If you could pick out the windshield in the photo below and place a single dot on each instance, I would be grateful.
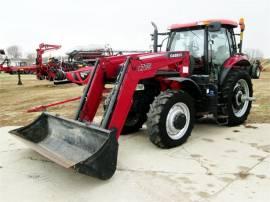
(189, 40)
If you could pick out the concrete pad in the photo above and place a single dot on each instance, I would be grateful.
(253, 186)
(216, 164)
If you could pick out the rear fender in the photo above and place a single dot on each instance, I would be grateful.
(236, 61)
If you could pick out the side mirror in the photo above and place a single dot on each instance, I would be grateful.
(214, 27)
(2, 52)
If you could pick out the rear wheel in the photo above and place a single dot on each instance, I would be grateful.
(170, 119)
(236, 91)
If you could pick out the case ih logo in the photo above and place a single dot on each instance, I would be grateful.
(175, 55)
(144, 67)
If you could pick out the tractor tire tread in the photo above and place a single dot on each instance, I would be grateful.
(226, 92)
(154, 117)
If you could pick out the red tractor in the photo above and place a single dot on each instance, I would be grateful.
(203, 72)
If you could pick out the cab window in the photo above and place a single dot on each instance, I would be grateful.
(192, 41)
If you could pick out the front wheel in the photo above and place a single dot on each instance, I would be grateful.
(237, 92)
(170, 119)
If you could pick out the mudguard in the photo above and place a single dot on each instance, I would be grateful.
(188, 81)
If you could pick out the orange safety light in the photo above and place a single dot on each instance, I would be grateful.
(242, 24)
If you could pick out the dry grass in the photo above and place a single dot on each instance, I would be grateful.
(15, 100)
(266, 65)
(260, 112)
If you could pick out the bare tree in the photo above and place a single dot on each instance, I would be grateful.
(2, 53)
(31, 58)
(14, 51)
(254, 54)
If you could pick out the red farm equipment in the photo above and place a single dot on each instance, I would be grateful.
(52, 70)
(5, 61)
(46, 70)
(20, 66)
(79, 59)
(203, 72)
(257, 68)
(82, 61)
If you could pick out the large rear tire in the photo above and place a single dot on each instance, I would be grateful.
(171, 119)
(236, 90)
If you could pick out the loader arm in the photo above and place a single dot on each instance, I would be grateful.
(135, 69)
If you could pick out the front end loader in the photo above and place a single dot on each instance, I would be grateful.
(88, 148)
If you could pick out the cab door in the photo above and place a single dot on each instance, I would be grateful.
(219, 47)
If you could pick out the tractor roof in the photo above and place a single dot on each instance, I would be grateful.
(203, 22)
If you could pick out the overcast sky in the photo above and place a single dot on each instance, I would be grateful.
(121, 23)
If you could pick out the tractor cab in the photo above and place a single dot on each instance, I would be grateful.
(210, 43)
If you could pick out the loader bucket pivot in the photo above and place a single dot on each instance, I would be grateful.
(89, 149)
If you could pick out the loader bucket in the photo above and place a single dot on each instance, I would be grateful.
(87, 148)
